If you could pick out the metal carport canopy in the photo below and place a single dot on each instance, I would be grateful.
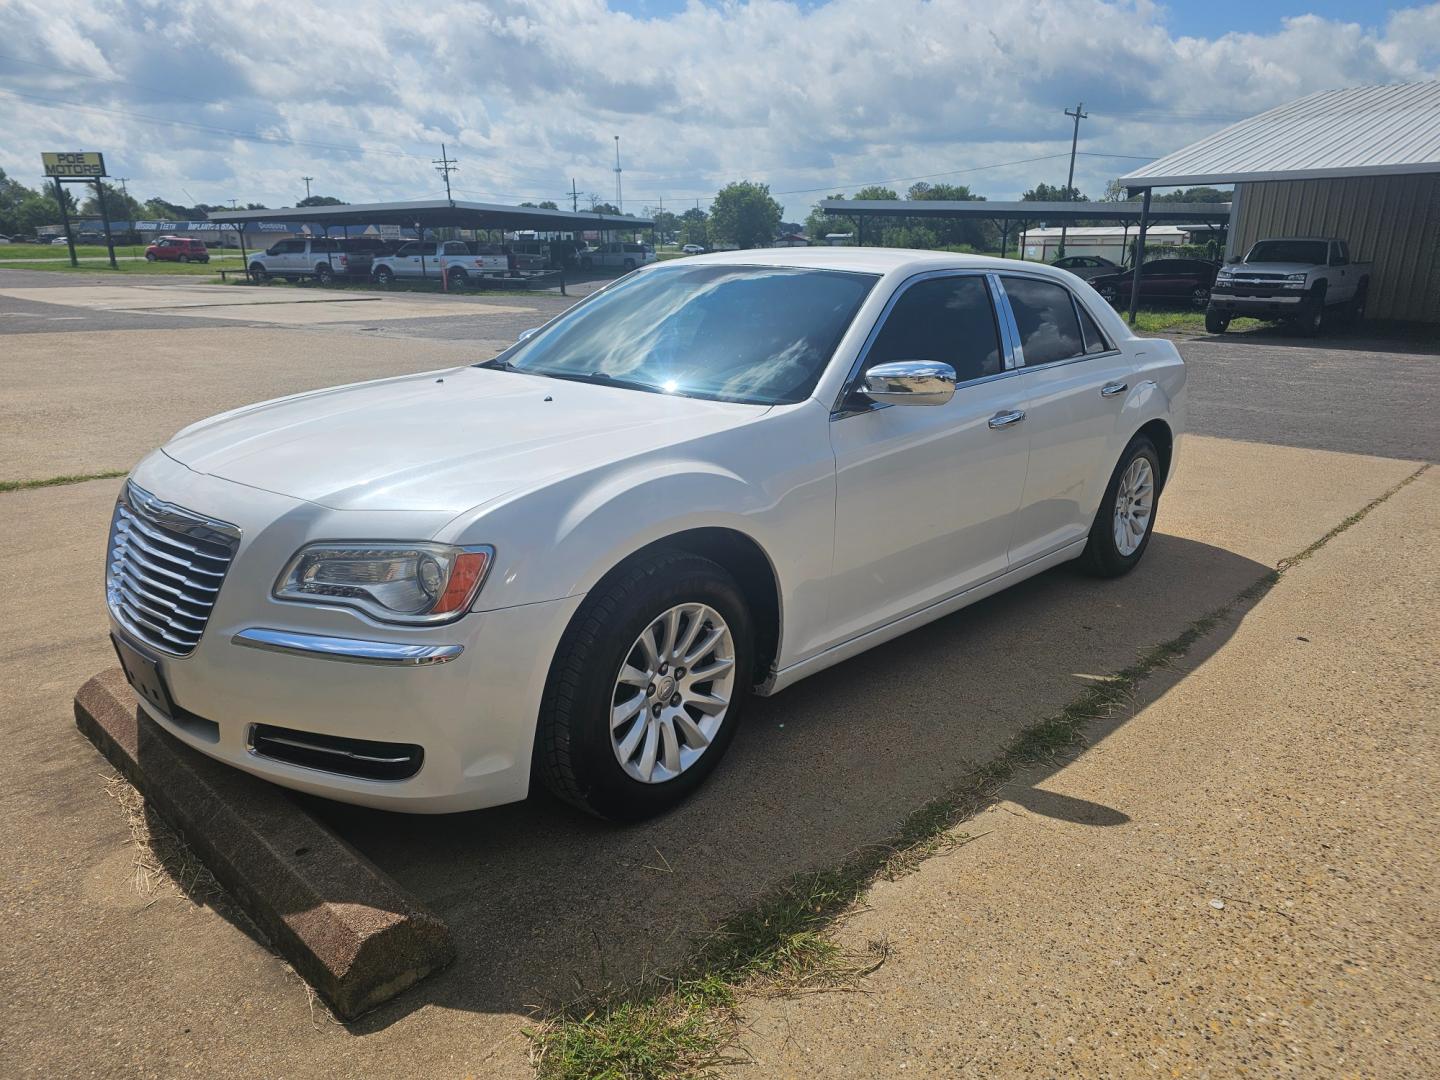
(438, 213)
(1026, 211)
(1359, 131)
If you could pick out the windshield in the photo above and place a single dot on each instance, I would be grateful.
(755, 334)
(1288, 251)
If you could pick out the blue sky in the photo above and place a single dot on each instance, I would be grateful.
(197, 100)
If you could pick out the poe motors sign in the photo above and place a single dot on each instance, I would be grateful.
(79, 167)
(74, 165)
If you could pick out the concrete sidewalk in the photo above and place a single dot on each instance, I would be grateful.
(1239, 878)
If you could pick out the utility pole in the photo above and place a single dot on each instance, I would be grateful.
(445, 165)
(307, 180)
(619, 202)
(574, 197)
(1078, 115)
(125, 194)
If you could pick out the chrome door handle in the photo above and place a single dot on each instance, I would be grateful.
(1111, 389)
(1005, 419)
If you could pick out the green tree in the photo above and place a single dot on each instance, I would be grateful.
(695, 227)
(819, 224)
(321, 200)
(161, 208)
(40, 208)
(666, 223)
(1194, 195)
(974, 233)
(1049, 193)
(12, 194)
(744, 214)
(547, 205)
(122, 207)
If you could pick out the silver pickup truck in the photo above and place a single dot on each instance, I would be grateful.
(1305, 280)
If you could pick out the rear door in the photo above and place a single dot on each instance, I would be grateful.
(1075, 383)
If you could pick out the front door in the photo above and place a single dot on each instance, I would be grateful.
(926, 495)
(1075, 385)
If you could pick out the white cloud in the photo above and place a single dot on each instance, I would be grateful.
(528, 93)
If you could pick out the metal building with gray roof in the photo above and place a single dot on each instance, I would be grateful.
(1361, 164)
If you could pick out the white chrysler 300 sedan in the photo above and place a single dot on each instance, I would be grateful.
(575, 560)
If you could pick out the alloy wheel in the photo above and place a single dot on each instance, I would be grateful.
(672, 693)
(1134, 505)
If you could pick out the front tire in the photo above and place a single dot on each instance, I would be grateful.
(259, 273)
(1216, 322)
(646, 688)
(384, 277)
(1126, 518)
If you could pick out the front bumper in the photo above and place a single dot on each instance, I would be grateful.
(1261, 302)
(467, 692)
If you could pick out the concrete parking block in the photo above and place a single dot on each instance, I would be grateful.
(344, 924)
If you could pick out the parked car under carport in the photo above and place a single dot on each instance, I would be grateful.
(1162, 281)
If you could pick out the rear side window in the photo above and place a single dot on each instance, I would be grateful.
(454, 247)
(947, 319)
(1094, 340)
(1045, 317)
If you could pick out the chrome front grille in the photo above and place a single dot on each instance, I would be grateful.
(164, 569)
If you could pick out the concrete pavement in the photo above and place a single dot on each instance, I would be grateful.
(107, 979)
(1239, 879)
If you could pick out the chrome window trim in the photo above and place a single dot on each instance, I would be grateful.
(838, 411)
(346, 650)
(1074, 300)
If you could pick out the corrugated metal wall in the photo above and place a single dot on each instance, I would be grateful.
(1392, 221)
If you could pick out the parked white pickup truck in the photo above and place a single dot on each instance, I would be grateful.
(460, 261)
(1304, 280)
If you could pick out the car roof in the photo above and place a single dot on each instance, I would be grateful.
(867, 260)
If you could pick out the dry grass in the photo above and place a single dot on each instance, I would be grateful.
(163, 863)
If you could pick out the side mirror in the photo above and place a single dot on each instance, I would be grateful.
(910, 382)
(526, 335)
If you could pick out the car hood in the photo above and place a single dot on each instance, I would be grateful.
(1270, 268)
(440, 441)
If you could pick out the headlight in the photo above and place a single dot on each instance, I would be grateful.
(405, 583)
(1294, 281)
(1224, 275)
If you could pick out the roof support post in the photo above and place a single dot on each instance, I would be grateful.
(1139, 255)
(244, 255)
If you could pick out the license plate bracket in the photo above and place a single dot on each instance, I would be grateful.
(144, 675)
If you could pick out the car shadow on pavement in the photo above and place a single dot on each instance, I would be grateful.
(1400, 339)
(546, 904)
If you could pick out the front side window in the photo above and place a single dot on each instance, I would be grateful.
(756, 334)
(947, 319)
(1045, 317)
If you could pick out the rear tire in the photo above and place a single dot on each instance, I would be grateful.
(457, 279)
(1120, 535)
(1216, 322)
(323, 274)
(578, 752)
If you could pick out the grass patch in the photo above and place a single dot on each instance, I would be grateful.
(686, 1024)
(430, 285)
(59, 481)
(1158, 322)
(132, 266)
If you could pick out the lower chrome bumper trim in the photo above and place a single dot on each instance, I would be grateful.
(347, 650)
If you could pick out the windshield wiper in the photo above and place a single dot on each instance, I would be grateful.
(604, 378)
(497, 364)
